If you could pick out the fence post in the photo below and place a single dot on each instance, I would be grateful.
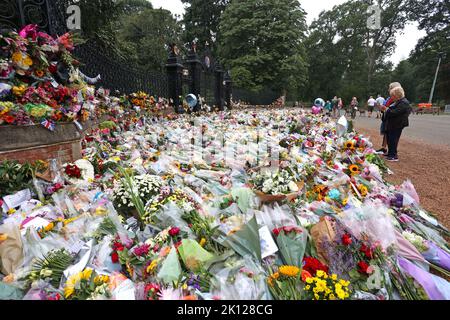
(228, 89)
(219, 87)
(174, 69)
(195, 69)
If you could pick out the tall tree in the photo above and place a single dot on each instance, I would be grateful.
(201, 21)
(143, 36)
(262, 43)
(434, 18)
(356, 58)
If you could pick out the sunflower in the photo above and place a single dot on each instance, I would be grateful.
(289, 271)
(349, 144)
(363, 190)
(354, 169)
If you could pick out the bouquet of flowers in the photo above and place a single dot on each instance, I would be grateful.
(87, 285)
(275, 186)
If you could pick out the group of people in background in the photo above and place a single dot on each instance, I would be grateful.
(394, 113)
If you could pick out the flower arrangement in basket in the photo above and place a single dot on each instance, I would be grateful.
(279, 185)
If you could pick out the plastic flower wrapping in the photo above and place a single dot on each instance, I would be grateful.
(219, 206)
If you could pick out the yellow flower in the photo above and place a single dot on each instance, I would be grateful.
(19, 90)
(99, 280)
(86, 274)
(309, 280)
(49, 227)
(28, 61)
(203, 242)
(152, 266)
(345, 202)
(69, 291)
(316, 296)
(17, 57)
(289, 271)
(69, 288)
(332, 297)
(308, 287)
(100, 211)
(349, 145)
(11, 211)
(3, 237)
(334, 277)
(320, 273)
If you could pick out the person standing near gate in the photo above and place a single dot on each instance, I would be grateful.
(396, 119)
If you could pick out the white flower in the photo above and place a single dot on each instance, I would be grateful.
(293, 186)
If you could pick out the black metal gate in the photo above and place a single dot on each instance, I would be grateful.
(17, 13)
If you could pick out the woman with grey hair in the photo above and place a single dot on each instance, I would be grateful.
(396, 119)
(386, 105)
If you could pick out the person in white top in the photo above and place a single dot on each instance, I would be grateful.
(371, 105)
(380, 103)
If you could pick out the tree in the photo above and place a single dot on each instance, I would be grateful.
(262, 43)
(346, 57)
(201, 21)
(143, 36)
(433, 17)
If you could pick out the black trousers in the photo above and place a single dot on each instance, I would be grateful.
(393, 137)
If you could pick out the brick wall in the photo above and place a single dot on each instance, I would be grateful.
(65, 152)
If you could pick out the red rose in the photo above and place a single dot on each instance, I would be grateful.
(277, 231)
(114, 257)
(312, 265)
(174, 231)
(347, 239)
(118, 246)
(363, 266)
(367, 251)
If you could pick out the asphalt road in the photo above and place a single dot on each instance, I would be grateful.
(426, 128)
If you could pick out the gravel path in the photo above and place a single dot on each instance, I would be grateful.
(426, 165)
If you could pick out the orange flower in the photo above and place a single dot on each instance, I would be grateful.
(305, 275)
(39, 73)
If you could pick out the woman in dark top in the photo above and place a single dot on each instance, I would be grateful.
(396, 119)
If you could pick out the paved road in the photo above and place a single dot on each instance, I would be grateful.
(427, 128)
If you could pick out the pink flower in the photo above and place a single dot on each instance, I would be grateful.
(29, 31)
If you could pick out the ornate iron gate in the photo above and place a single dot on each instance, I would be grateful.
(17, 13)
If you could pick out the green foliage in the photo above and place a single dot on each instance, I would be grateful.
(201, 21)
(262, 43)
(52, 267)
(16, 176)
(433, 17)
(348, 59)
(108, 125)
(143, 36)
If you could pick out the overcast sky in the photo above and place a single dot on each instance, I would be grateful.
(405, 42)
